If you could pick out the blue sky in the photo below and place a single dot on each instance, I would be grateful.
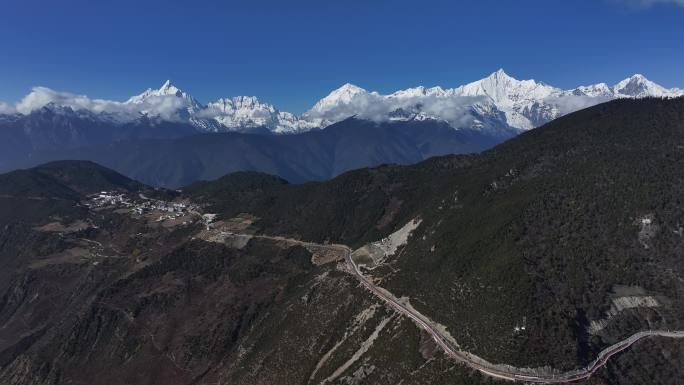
(291, 53)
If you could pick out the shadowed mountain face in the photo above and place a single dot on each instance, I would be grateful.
(150, 136)
(316, 155)
(55, 189)
(541, 251)
(51, 128)
(528, 252)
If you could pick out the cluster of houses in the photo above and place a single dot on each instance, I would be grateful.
(172, 208)
(107, 198)
(145, 205)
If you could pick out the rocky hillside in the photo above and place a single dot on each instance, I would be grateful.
(541, 251)
(544, 250)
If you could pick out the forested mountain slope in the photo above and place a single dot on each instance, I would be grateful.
(541, 251)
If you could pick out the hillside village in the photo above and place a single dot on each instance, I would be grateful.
(143, 206)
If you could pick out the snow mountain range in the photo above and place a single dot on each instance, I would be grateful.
(497, 104)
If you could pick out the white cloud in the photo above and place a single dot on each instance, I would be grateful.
(365, 105)
(372, 106)
(454, 109)
(6, 108)
(165, 106)
(571, 103)
(42, 96)
(449, 105)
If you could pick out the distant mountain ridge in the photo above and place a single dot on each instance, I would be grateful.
(515, 254)
(153, 136)
(64, 179)
(487, 104)
(309, 156)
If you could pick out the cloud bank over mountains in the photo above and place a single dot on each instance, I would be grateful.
(350, 100)
(493, 103)
(167, 107)
(6, 108)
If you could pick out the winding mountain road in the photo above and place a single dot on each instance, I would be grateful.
(493, 370)
(513, 374)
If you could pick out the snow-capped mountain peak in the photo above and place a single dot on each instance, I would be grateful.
(503, 88)
(167, 89)
(501, 75)
(168, 101)
(346, 90)
(518, 99)
(339, 105)
(237, 103)
(246, 112)
(420, 91)
(498, 98)
(638, 86)
(342, 95)
(593, 90)
(241, 111)
(494, 103)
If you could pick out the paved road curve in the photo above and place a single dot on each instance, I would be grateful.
(487, 368)
(513, 374)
